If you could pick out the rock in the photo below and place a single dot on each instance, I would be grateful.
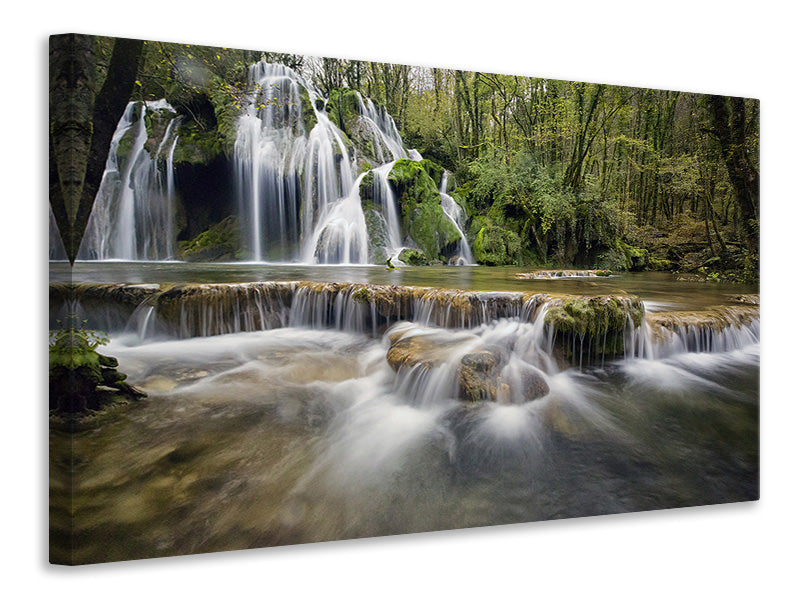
(80, 378)
(418, 350)
(482, 378)
(220, 242)
(412, 257)
(423, 219)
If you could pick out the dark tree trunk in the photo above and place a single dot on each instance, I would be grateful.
(82, 125)
(728, 120)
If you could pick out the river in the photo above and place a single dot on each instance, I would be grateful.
(303, 434)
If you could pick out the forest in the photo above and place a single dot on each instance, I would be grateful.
(549, 173)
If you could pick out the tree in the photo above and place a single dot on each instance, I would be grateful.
(729, 122)
(82, 123)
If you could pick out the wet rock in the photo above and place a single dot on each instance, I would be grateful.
(418, 350)
(481, 378)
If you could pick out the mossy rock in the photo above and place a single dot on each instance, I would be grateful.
(343, 108)
(595, 316)
(196, 145)
(377, 235)
(496, 246)
(434, 171)
(218, 243)
(661, 264)
(412, 257)
(423, 219)
(309, 115)
(81, 380)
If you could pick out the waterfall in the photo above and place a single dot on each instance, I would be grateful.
(454, 212)
(132, 217)
(386, 139)
(56, 246)
(297, 186)
(384, 196)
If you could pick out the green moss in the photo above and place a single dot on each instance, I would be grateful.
(196, 145)
(362, 295)
(378, 235)
(433, 170)
(660, 264)
(366, 192)
(593, 326)
(220, 242)
(594, 316)
(80, 378)
(309, 116)
(420, 205)
(412, 257)
(343, 108)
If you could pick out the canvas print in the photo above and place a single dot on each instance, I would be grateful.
(297, 299)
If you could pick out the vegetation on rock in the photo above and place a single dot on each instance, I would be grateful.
(82, 379)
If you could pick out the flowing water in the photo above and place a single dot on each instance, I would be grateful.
(298, 189)
(305, 432)
(455, 213)
(133, 213)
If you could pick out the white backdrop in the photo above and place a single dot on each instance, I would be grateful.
(733, 551)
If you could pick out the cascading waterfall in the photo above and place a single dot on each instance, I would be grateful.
(133, 213)
(454, 212)
(384, 197)
(386, 139)
(298, 193)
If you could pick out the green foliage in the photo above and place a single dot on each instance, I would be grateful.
(496, 246)
(80, 378)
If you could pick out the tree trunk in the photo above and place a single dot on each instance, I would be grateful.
(82, 125)
(728, 119)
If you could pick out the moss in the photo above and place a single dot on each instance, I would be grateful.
(196, 145)
(377, 234)
(309, 116)
(82, 379)
(603, 273)
(343, 108)
(496, 246)
(412, 257)
(660, 264)
(366, 192)
(592, 327)
(595, 316)
(362, 295)
(220, 242)
(420, 205)
(434, 171)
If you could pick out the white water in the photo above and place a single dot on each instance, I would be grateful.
(298, 193)
(454, 212)
(56, 248)
(133, 213)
